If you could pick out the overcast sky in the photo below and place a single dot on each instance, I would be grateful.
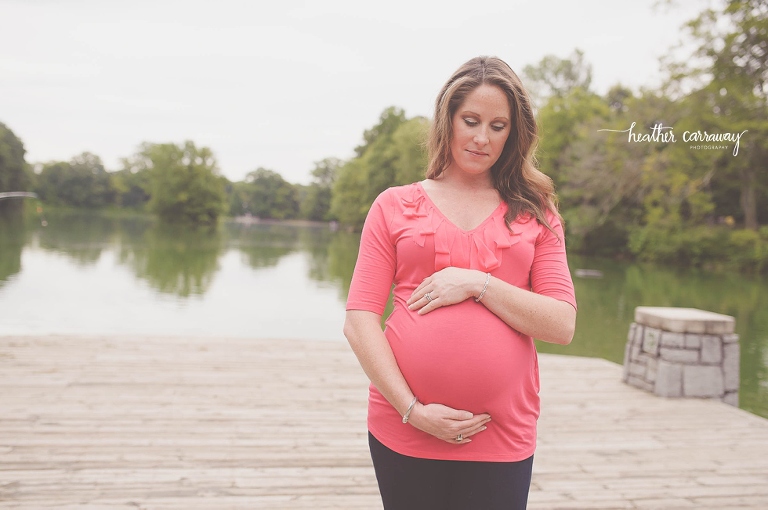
(282, 84)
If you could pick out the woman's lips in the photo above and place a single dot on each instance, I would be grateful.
(477, 153)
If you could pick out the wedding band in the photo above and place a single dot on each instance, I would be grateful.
(429, 298)
(459, 438)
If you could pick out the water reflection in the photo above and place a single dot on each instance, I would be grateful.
(606, 308)
(342, 255)
(239, 279)
(179, 261)
(79, 236)
(13, 237)
(263, 245)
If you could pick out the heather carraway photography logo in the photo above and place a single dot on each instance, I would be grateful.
(699, 140)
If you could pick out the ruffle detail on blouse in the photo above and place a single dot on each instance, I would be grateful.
(414, 206)
(486, 243)
(491, 241)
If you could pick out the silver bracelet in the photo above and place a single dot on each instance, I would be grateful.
(410, 408)
(485, 287)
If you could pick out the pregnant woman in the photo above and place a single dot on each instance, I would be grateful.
(476, 253)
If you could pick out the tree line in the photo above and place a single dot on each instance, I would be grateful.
(629, 184)
(182, 182)
(177, 182)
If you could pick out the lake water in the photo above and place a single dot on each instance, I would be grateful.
(91, 274)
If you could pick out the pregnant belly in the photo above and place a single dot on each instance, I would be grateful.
(462, 356)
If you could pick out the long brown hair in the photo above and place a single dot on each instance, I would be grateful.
(520, 184)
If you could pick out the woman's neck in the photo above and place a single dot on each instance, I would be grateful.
(454, 179)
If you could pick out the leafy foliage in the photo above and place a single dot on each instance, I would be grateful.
(81, 182)
(663, 201)
(558, 77)
(13, 174)
(265, 194)
(316, 204)
(184, 182)
(393, 154)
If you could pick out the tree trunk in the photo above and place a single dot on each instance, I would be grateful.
(748, 197)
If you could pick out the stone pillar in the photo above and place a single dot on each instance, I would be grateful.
(683, 352)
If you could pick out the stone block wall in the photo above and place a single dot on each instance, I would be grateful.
(683, 352)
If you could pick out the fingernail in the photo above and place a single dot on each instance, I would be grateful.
(483, 428)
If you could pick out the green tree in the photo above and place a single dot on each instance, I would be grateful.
(731, 91)
(409, 150)
(389, 120)
(349, 200)
(603, 178)
(185, 185)
(316, 203)
(237, 197)
(13, 172)
(393, 154)
(81, 182)
(268, 195)
(132, 183)
(558, 77)
(562, 88)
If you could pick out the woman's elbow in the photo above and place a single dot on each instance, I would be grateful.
(357, 323)
(567, 336)
(349, 329)
(567, 327)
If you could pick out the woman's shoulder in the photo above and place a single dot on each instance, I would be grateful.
(403, 190)
(528, 222)
(398, 194)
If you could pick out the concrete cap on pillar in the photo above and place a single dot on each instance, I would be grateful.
(684, 320)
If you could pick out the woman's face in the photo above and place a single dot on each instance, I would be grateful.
(481, 126)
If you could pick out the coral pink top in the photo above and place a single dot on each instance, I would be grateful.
(462, 356)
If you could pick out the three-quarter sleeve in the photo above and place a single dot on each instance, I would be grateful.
(550, 275)
(376, 260)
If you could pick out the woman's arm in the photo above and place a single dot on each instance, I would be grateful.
(542, 317)
(362, 329)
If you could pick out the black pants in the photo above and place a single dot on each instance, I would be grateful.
(423, 484)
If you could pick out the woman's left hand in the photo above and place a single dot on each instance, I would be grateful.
(446, 287)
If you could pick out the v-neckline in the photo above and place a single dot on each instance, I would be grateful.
(449, 221)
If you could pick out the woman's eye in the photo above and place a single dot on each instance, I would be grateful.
(498, 127)
(470, 122)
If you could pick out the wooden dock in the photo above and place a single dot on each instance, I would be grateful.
(133, 423)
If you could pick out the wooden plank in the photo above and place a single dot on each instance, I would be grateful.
(195, 423)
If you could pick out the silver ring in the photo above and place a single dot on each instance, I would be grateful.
(459, 438)
(429, 298)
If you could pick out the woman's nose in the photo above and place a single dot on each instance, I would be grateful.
(481, 137)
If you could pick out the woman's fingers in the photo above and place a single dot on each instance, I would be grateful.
(447, 423)
(418, 294)
(425, 305)
(446, 287)
(419, 291)
(468, 427)
(418, 301)
(459, 415)
(466, 435)
(425, 300)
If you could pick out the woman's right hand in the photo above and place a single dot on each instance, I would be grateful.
(447, 423)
